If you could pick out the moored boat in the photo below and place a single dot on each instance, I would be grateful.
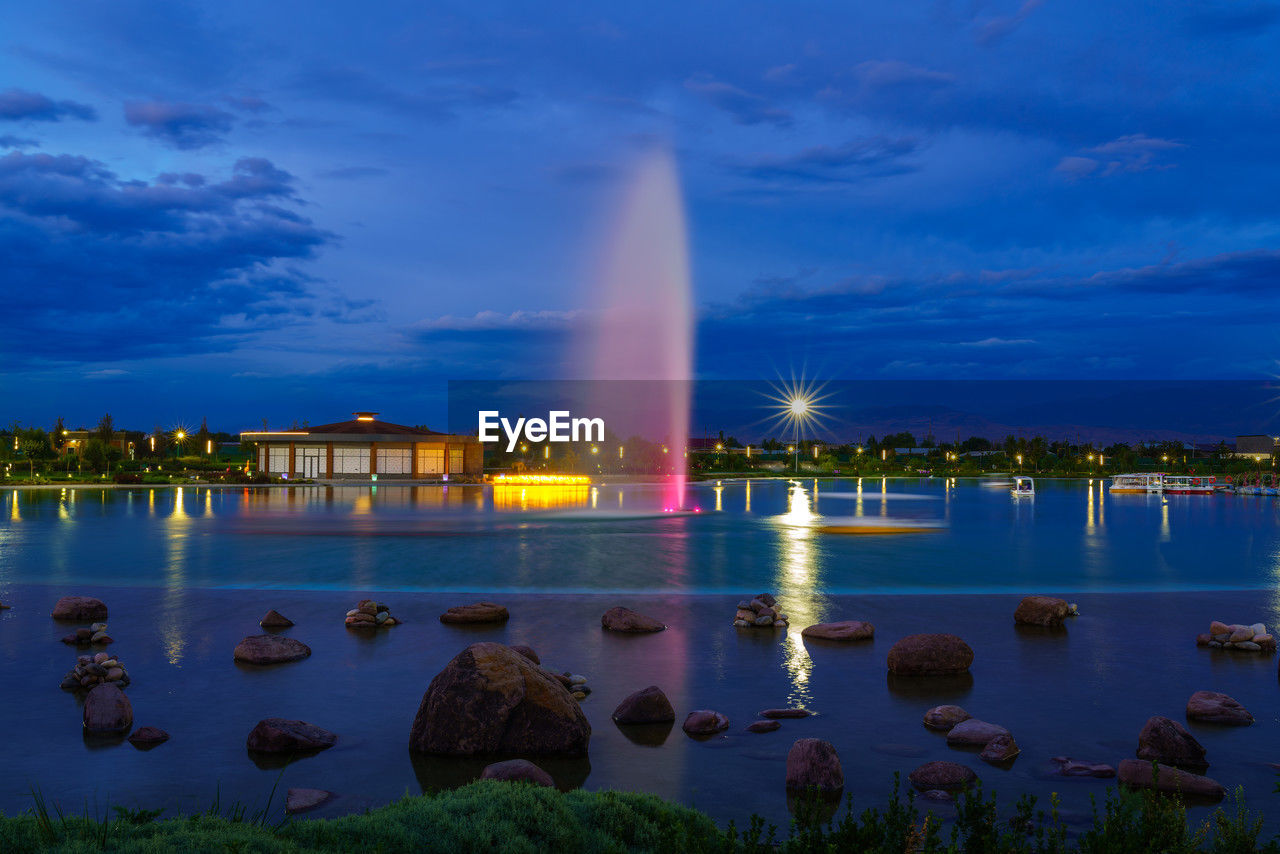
(1142, 482)
(1189, 484)
(1023, 487)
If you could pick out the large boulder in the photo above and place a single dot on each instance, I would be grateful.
(1041, 611)
(270, 649)
(479, 612)
(974, 733)
(930, 655)
(943, 718)
(517, 771)
(82, 609)
(941, 776)
(814, 764)
(107, 710)
(275, 620)
(1166, 741)
(705, 722)
(527, 651)
(1212, 707)
(646, 706)
(846, 630)
(280, 735)
(625, 620)
(490, 699)
(1143, 775)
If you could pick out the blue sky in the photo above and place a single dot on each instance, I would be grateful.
(294, 210)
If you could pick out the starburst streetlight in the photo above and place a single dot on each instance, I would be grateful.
(799, 405)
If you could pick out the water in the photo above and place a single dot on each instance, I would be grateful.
(187, 573)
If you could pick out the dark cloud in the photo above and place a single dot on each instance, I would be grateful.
(744, 107)
(9, 141)
(181, 125)
(856, 160)
(18, 104)
(102, 267)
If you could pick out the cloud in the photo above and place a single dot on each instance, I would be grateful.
(105, 268)
(997, 28)
(1232, 19)
(894, 74)
(18, 104)
(248, 103)
(441, 99)
(744, 107)
(1132, 153)
(489, 321)
(10, 141)
(181, 125)
(353, 173)
(858, 159)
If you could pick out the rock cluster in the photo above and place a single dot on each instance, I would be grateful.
(625, 620)
(576, 683)
(761, 613)
(368, 614)
(1254, 638)
(91, 670)
(97, 633)
(1043, 611)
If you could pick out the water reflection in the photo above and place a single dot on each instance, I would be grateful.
(519, 498)
(797, 587)
(173, 606)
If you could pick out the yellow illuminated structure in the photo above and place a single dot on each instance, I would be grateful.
(540, 480)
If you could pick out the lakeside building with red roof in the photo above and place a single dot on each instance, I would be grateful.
(365, 448)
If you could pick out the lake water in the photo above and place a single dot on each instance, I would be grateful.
(188, 572)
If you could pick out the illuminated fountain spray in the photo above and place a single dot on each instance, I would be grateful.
(644, 329)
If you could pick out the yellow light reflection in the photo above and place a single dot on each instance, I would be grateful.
(511, 497)
(797, 588)
(719, 491)
(748, 507)
(173, 609)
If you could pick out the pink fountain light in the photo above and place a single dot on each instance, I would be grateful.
(643, 329)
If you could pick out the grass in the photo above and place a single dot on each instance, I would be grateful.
(514, 818)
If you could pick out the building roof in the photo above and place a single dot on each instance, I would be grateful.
(363, 426)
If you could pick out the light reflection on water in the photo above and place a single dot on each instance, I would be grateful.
(797, 587)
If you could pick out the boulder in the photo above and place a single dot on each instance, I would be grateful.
(527, 652)
(270, 649)
(763, 726)
(847, 630)
(974, 732)
(625, 620)
(705, 722)
(941, 776)
(1069, 767)
(148, 736)
(107, 710)
(279, 735)
(275, 620)
(1002, 748)
(646, 706)
(517, 771)
(479, 612)
(1041, 611)
(1166, 741)
(491, 699)
(1145, 775)
(785, 713)
(1214, 708)
(79, 608)
(943, 718)
(814, 764)
(301, 800)
(930, 655)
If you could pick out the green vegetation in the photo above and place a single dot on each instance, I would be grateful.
(505, 817)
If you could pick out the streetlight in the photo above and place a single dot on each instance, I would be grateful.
(1019, 462)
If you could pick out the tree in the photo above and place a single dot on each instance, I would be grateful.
(106, 429)
(202, 437)
(58, 429)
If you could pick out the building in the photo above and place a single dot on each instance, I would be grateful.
(75, 441)
(1257, 447)
(365, 448)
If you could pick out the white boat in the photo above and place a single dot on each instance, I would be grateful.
(1023, 487)
(1190, 484)
(1138, 482)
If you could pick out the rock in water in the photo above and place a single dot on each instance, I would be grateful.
(705, 722)
(80, 608)
(270, 649)
(148, 736)
(1002, 748)
(490, 699)
(1041, 611)
(647, 706)
(942, 776)
(280, 735)
(1142, 775)
(943, 718)
(785, 713)
(625, 620)
(527, 652)
(107, 710)
(1166, 741)
(848, 630)
(275, 620)
(479, 612)
(930, 655)
(1214, 708)
(301, 800)
(974, 732)
(1069, 767)
(518, 771)
(764, 726)
(814, 764)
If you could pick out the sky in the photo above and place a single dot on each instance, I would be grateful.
(286, 211)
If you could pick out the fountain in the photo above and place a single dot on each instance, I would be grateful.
(639, 349)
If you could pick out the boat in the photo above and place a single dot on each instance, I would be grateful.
(872, 525)
(1023, 487)
(1138, 482)
(1189, 484)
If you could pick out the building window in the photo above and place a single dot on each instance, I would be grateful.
(394, 461)
(350, 460)
(430, 461)
(278, 463)
(455, 461)
(311, 460)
